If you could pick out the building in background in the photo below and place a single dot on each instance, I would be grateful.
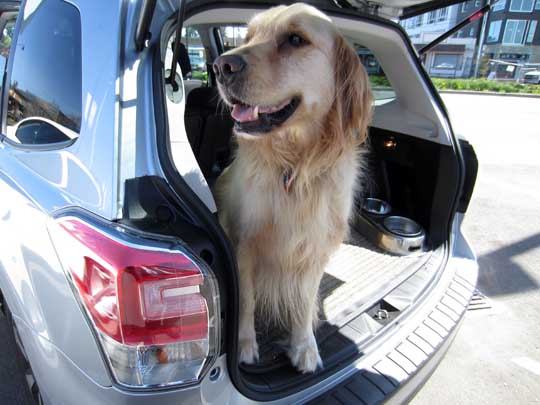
(511, 46)
(455, 57)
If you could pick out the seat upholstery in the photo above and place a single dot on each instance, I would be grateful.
(209, 129)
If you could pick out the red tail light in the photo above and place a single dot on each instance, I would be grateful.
(142, 300)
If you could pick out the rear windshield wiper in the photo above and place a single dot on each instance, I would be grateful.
(473, 17)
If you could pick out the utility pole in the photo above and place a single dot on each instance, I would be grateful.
(480, 43)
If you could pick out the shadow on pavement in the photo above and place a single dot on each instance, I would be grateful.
(500, 275)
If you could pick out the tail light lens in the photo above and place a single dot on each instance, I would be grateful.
(155, 308)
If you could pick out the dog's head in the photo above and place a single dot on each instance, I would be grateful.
(294, 71)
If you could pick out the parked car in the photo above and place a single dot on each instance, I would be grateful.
(116, 279)
(532, 77)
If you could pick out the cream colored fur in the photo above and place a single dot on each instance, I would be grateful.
(284, 238)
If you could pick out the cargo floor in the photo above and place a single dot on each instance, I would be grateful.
(357, 275)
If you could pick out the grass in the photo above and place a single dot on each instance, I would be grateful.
(471, 85)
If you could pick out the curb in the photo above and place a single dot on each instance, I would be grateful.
(489, 93)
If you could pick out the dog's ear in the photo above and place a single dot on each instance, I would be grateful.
(353, 94)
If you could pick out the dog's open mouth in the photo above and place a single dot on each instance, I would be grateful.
(259, 119)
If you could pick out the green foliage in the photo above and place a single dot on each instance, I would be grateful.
(469, 85)
(200, 75)
(379, 81)
(485, 85)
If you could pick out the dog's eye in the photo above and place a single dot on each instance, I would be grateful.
(296, 40)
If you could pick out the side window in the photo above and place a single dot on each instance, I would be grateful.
(232, 36)
(196, 54)
(45, 95)
(380, 86)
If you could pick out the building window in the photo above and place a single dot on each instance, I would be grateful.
(537, 6)
(443, 13)
(464, 7)
(532, 30)
(524, 6)
(494, 31)
(45, 94)
(499, 6)
(514, 32)
(447, 61)
(431, 17)
(477, 3)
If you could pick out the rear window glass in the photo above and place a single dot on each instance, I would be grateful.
(45, 100)
(380, 86)
(232, 36)
(196, 55)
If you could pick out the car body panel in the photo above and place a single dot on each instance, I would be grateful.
(34, 283)
(34, 183)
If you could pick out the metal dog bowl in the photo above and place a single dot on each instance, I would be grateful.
(395, 234)
(402, 226)
(376, 206)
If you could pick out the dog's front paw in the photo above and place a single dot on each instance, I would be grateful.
(249, 350)
(305, 357)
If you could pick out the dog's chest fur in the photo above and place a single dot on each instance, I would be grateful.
(288, 224)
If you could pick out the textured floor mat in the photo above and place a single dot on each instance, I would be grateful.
(357, 274)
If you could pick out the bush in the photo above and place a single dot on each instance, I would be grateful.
(379, 81)
(485, 85)
(200, 75)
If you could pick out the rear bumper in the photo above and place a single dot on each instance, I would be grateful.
(397, 376)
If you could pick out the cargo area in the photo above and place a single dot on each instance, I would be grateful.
(362, 272)
(358, 278)
(377, 274)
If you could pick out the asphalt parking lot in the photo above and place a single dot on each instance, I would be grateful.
(496, 355)
(495, 358)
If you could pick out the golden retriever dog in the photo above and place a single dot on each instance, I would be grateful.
(301, 104)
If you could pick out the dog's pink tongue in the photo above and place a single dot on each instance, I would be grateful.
(242, 113)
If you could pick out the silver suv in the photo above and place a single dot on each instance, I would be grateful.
(117, 282)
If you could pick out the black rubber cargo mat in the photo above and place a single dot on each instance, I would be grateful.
(356, 275)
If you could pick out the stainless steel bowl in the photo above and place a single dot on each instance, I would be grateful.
(402, 226)
(376, 206)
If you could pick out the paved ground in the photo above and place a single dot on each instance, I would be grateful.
(495, 358)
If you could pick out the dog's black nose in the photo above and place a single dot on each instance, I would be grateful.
(227, 67)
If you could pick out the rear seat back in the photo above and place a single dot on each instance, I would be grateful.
(209, 129)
